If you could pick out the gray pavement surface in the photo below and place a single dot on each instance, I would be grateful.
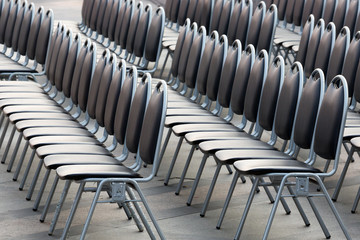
(176, 219)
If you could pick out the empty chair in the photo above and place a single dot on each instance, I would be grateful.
(242, 30)
(255, 24)
(267, 31)
(339, 14)
(225, 17)
(304, 41)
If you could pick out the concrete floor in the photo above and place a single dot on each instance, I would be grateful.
(176, 219)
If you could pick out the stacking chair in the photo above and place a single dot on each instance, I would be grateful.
(255, 24)
(267, 30)
(106, 21)
(326, 144)
(242, 30)
(214, 24)
(112, 23)
(122, 22)
(234, 20)
(225, 17)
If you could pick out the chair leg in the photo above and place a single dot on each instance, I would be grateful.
(197, 179)
(49, 199)
(41, 190)
(283, 202)
(58, 207)
(8, 145)
(228, 198)
(187, 164)
(7, 121)
(211, 189)
(299, 207)
(356, 202)
(167, 178)
(319, 218)
(342, 176)
(247, 207)
(73, 210)
(16, 150)
(21, 187)
(165, 61)
(133, 216)
(21, 161)
(34, 181)
(168, 135)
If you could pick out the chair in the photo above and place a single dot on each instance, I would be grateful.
(339, 14)
(255, 24)
(242, 30)
(225, 17)
(351, 17)
(330, 6)
(234, 20)
(214, 24)
(112, 22)
(267, 30)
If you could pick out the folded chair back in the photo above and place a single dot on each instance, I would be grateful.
(24, 30)
(255, 24)
(241, 80)
(112, 21)
(17, 8)
(351, 62)
(304, 40)
(4, 19)
(242, 29)
(129, 43)
(313, 47)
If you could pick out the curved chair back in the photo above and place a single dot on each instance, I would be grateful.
(124, 15)
(198, 11)
(175, 10)
(225, 17)
(255, 24)
(18, 23)
(234, 20)
(89, 11)
(54, 52)
(17, 11)
(267, 30)
(94, 14)
(329, 10)
(298, 12)
(351, 62)
(308, 9)
(101, 15)
(318, 9)
(242, 29)
(206, 14)
(125, 25)
(183, 9)
(191, 10)
(351, 16)
(44, 38)
(4, 18)
(107, 16)
(137, 44)
(34, 33)
(282, 5)
(289, 13)
(134, 25)
(113, 19)
(340, 13)
(214, 25)
(25, 29)
(304, 40)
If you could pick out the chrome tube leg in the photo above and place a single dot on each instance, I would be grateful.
(13, 156)
(165, 61)
(318, 217)
(41, 190)
(8, 145)
(342, 176)
(49, 199)
(163, 149)
(22, 184)
(187, 164)
(211, 189)
(283, 202)
(21, 161)
(58, 207)
(299, 207)
(356, 202)
(229, 169)
(197, 179)
(166, 181)
(34, 181)
(228, 198)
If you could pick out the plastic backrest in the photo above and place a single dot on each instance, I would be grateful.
(191, 10)
(288, 101)
(351, 16)
(308, 9)
(126, 24)
(228, 74)
(325, 48)
(168, 4)
(198, 11)
(68, 71)
(101, 15)
(215, 68)
(4, 19)
(175, 10)
(304, 40)
(255, 24)
(254, 87)
(289, 13)
(96, 82)
(225, 18)
(268, 3)
(310, 100)
(338, 54)
(205, 60)
(18, 22)
(54, 53)
(24, 30)
(193, 61)
(104, 88)
(270, 93)
(136, 114)
(241, 80)
(350, 63)
(233, 22)
(112, 21)
(318, 9)
(44, 37)
(141, 32)
(84, 6)
(94, 14)
(120, 19)
(179, 45)
(312, 47)
(331, 119)
(185, 52)
(339, 14)
(154, 36)
(62, 58)
(60, 29)
(89, 10)
(282, 5)
(330, 6)
(214, 25)
(123, 105)
(13, 15)
(267, 30)
(153, 125)
(298, 12)
(183, 8)
(206, 14)
(133, 28)
(242, 29)
(113, 96)
(34, 33)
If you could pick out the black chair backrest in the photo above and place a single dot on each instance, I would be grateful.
(42, 42)
(298, 12)
(242, 28)
(206, 14)
(318, 9)
(54, 51)
(84, 7)
(198, 12)
(267, 30)
(113, 101)
(331, 118)
(215, 68)
(225, 17)
(4, 19)
(185, 51)
(136, 114)
(288, 101)
(101, 15)
(313, 47)
(24, 31)
(107, 16)
(339, 14)
(241, 80)
(191, 10)
(281, 5)
(175, 10)
(121, 17)
(351, 16)
(234, 20)
(214, 25)
(338, 54)
(329, 10)
(123, 104)
(255, 24)
(270, 93)
(308, 8)
(141, 33)
(17, 8)
(89, 10)
(153, 125)
(18, 23)
(112, 21)
(125, 25)
(351, 62)
(310, 100)
(134, 23)
(289, 13)
(203, 71)
(304, 40)
(183, 8)
(67, 71)
(193, 62)
(64, 49)
(34, 33)
(94, 14)
(228, 74)
(325, 48)
(168, 4)
(254, 87)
